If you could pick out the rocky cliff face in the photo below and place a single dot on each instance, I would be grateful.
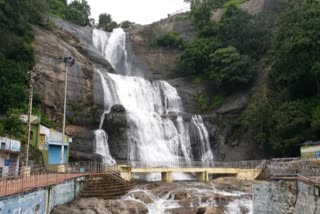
(287, 197)
(227, 143)
(85, 94)
(158, 62)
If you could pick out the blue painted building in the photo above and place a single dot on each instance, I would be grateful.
(48, 141)
(9, 156)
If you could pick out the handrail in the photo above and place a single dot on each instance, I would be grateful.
(113, 171)
(40, 176)
(195, 164)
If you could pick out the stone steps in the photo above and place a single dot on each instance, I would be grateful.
(106, 187)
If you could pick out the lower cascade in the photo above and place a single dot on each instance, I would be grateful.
(102, 147)
(157, 133)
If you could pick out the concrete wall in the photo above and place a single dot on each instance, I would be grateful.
(285, 197)
(41, 201)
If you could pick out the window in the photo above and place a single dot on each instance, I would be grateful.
(3, 145)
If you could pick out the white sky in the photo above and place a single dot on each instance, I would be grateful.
(138, 11)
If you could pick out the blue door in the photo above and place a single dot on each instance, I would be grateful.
(54, 154)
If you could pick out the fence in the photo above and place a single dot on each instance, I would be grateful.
(307, 170)
(40, 176)
(251, 164)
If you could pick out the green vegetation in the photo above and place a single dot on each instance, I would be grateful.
(226, 52)
(230, 70)
(77, 12)
(202, 101)
(106, 23)
(182, 17)
(168, 39)
(16, 58)
(286, 112)
(10, 124)
(233, 2)
(126, 24)
(194, 60)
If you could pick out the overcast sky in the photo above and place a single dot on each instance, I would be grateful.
(138, 11)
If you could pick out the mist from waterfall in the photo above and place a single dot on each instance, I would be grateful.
(157, 131)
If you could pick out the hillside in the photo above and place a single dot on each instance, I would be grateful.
(246, 67)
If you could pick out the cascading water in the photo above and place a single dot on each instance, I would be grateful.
(113, 47)
(157, 132)
(102, 147)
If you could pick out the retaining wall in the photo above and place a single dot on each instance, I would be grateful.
(43, 200)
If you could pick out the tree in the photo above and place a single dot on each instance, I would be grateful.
(228, 69)
(292, 122)
(106, 23)
(200, 13)
(169, 39)
(11, 125)
(126, 24)
(12, 84)
(79, 12)
(251, 35)
(295, 55)
(195, 58)
(58, 8)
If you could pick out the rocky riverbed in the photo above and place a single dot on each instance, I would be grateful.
(223, 195)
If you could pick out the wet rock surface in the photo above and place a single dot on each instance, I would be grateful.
(116, 125)
(97, 206)
(222, 195)
(84, 95)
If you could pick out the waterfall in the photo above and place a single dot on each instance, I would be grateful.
(157, 131)
(102, 147)
(113, 47)
(203, 140)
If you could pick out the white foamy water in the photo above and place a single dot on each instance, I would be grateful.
(113, 48)
(102, 147)
(162, 205)
(157, 133)
(159, 205)
(153, 137)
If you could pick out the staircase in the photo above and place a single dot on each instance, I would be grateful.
(105, 187)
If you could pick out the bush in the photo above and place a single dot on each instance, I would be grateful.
(230, 70)
(170, 39)
(106, 23)
(77, 12)
(195, 58)
(251, 35)
(12, 84)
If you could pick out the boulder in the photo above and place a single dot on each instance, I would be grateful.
(100, 206)
(116, 125)
(83, 147)
(142, 196)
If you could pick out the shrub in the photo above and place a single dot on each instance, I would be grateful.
(169, 39)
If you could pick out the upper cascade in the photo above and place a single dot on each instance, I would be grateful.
(113, 47)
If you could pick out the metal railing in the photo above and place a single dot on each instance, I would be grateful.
(299, 169)
(251, 164)
(41, 176)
